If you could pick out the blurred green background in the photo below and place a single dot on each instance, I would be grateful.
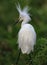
(8, 32)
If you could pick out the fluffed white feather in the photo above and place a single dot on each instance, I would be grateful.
(27, 34)
(26, 38)
(19, 8)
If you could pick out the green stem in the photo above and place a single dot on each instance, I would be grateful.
(30, 59)
(18, 57)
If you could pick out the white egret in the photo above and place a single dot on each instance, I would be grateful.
(27, 34)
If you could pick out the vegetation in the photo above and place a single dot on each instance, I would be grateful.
(8, 32)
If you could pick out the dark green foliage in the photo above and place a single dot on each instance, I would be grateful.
(8, 32)
(40, 55)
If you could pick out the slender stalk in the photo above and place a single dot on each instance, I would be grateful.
(18, 57)
(30, 59)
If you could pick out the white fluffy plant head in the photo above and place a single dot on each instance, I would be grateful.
(23, 13)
